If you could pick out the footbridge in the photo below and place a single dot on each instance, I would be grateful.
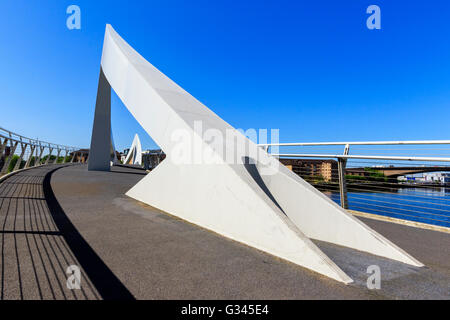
(61, 215)
(201, 225)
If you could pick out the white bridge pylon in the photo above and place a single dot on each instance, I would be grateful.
(278, 213)
(134, 155)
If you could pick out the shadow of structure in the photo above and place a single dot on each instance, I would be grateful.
(250, 166)
(39, 243)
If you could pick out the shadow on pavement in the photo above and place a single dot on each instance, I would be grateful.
(104, 280)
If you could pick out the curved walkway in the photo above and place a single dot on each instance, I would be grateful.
(34, 253)
(55, 216)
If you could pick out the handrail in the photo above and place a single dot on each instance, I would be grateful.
(355, 143)
(35, 142)
(341, 156)
(30, 152)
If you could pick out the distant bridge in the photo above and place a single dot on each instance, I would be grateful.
(393, 172)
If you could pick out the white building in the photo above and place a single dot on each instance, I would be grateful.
(437, 177)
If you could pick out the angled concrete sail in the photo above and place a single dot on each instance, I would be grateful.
(134, 155)
(253, 200)
(100, 150)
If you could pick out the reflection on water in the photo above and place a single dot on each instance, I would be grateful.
(427, 205)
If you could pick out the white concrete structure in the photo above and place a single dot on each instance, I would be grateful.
(101, 142)
(134, 155)
(262, 204)
(437, 177)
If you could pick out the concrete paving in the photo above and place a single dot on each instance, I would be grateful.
(128, 250)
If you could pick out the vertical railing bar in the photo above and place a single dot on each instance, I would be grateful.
(342, 162)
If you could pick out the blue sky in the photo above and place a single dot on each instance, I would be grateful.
(311, 69)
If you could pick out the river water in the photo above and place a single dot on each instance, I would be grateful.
(430, 206)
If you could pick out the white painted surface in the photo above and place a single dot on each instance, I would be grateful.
(100, 150)
(275, 213)
(134, 155)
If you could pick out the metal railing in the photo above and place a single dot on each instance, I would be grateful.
(19, 152)
(378, 180)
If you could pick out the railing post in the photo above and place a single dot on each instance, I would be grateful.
(342, 162)
(38, 160)
(3, 146)
(65, 157)
(27, 164)
(8, 161)
(22, 153)
(49, 155)
(57, 155)
(73, 157)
